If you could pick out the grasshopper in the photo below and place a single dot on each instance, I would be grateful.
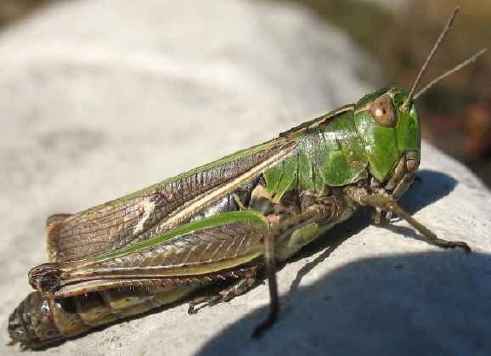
(227, 223)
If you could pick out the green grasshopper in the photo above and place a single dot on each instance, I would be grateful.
(226, 223)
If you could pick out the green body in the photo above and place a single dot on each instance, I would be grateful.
(207, 224)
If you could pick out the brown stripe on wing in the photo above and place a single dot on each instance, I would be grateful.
(118, 222)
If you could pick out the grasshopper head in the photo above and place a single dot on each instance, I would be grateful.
(389, 124)
(391, 131)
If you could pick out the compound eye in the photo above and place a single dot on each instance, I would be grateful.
(383, 111)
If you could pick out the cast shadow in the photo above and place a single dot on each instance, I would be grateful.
(435, 303)
(378, 306)
(428, 187)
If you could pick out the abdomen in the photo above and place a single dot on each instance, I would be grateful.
(40, 321)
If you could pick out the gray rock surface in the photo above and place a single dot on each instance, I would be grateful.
(99, 98)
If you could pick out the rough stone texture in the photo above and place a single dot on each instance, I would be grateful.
(99, 98)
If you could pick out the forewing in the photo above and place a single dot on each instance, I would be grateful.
(117, 223)
(211, 250)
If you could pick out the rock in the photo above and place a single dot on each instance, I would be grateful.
(100, 98)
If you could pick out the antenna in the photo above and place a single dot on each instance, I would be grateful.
(437, 44)
(450, 72)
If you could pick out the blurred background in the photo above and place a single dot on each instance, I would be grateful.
(398, 35)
